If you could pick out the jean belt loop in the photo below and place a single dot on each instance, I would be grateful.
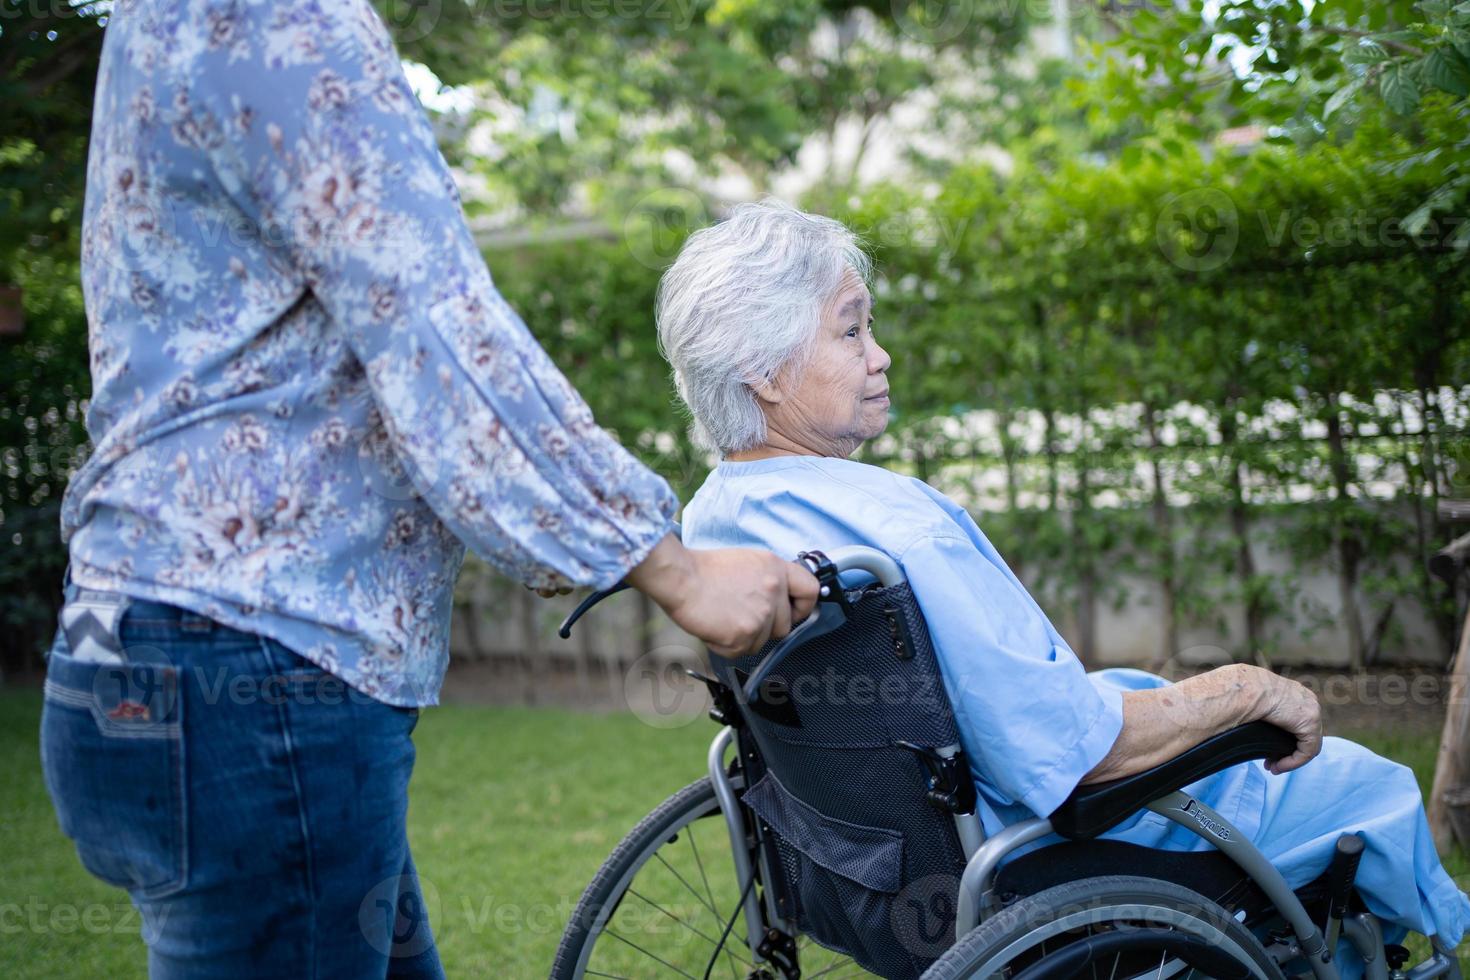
(92, 621)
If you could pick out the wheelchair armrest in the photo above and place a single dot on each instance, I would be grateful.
(1093, 809)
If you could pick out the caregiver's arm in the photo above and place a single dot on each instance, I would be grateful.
(1161, 723)
(330, 154)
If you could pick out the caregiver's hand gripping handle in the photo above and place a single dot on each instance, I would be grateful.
(734, 599)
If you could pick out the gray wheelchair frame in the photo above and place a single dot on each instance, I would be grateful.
(976, 898)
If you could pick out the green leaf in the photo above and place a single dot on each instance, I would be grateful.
(1399, 89)
(1341, 97)
(1445, 69)
(1365, 52)
(1415, 220)
(1442, 198)
(1460, 240)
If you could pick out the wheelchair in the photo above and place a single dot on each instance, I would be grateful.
(835, 835)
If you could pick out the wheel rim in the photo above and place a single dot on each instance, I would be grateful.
(672, 905)
(1092, 921)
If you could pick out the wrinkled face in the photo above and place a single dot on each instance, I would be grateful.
(839, 399)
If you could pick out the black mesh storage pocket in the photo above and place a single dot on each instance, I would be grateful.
(842, 877)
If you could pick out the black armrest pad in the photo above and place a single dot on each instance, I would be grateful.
(1092, 809)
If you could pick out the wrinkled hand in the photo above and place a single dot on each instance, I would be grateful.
(1291, 706)
(734, 599)
(739, 598)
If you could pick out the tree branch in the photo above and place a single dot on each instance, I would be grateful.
(1385, 42)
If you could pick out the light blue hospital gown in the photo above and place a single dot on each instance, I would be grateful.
(1033, 722)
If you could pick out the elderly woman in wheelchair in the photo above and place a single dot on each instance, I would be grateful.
(925, 779)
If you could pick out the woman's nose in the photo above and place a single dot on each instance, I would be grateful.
(878, 359)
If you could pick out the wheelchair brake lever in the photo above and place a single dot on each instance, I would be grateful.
(1342, 873)
(565, 629)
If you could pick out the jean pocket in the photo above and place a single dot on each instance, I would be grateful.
(112, 754)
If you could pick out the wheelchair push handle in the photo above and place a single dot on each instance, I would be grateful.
(832, 607)
(831, 610)
(860, 558)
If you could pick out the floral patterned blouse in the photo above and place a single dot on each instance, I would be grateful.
(307, 394)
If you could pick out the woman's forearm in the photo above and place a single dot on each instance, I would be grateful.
(1161, 723)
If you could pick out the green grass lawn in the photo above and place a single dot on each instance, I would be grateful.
(512, 811)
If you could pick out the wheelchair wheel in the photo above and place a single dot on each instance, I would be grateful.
(1111, 928)
(666, 903)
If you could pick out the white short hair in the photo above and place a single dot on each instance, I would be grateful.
(743, 300)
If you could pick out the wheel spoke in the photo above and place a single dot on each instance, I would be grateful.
(609, 932)
(698, 932)
(697, 897)
(1174, 968)
(714, 906)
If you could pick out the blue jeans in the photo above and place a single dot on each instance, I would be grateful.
(251, 803)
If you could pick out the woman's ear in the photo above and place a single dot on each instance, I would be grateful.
(771, 390)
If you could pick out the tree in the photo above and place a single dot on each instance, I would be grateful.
(48, 62)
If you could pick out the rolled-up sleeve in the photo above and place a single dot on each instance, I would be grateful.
(330, 152)
(1031, 721)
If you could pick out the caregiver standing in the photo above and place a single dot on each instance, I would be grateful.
(307, 398)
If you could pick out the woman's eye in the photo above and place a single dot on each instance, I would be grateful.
(852, 331)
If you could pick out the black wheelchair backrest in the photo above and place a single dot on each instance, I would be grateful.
(847, 743)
